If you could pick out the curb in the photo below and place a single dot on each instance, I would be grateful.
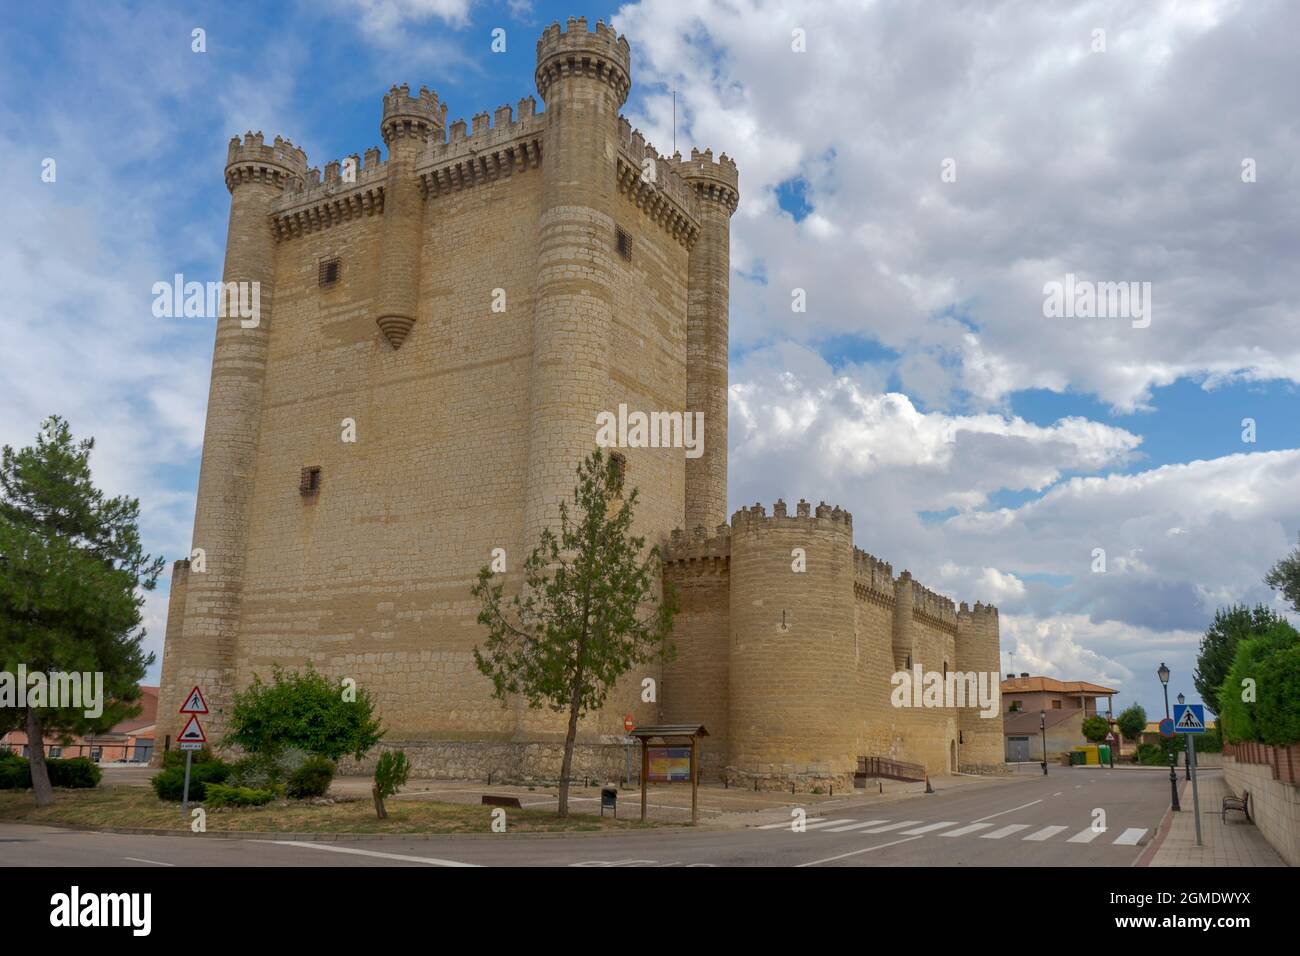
(279, 835)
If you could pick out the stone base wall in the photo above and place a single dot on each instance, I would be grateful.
(1274, 805)
(789, 782)
(500, 761)
(991, 769)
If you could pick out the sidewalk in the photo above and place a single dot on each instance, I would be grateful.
(1236, 843)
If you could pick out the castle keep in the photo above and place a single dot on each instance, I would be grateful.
(465, 307)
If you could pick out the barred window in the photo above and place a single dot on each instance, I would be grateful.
(617, 470)
(624, 243)
(329, 271)
(309, 482)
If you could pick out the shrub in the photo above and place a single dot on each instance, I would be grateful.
(220, 795)
(305, 712)
(1095, 729)
(15, 772)
(78, 773)
(169, 783)
(1151, 755)
(391, 772)
(312, 779)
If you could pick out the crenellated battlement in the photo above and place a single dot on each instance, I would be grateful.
(985, 612)
(574, 51)
(494, 147)
(711, 181)
(251, 160)
(700, 544)
(824, 517)
(874, 575)
(418, 117)
(655, 187)
(931, 604)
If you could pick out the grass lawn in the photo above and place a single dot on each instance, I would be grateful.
(122, 806)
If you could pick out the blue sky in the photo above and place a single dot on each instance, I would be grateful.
(978, 443)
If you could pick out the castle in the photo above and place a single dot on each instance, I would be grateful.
(439, 330)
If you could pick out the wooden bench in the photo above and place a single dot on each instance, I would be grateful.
(491, 800)
(1241, 803)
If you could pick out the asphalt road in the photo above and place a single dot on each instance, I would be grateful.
(1031, 821)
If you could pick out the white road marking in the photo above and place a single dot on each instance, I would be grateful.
(826, 823)
(930, 826)
(1005, 831)
(1058, 793)
(1004, 812)
(831, 859)
(969, 828)
(777, 826)
(1085, 836)
(431, 860)
(893, 826)
(856, 826)
(1130, 836)
(136, 859)
(1046, 833)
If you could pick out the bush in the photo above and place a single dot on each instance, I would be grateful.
(220, 795)
(269, 770)
(1151, 755)
(1095, 729)
(305, 712)
(391, 772)
(312, 779)
(15, 772)
(76, 773)
(169, 783)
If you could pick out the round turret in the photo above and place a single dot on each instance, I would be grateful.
(603, 55)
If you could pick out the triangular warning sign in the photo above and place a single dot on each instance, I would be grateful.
(193, 733)
(1188, 721)
(195, 704)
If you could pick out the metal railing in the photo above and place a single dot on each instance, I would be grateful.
(135, 754)
(889, 769)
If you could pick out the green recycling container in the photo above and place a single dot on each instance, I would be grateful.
(1103, 752)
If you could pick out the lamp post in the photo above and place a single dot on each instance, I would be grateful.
(1187, 762)
(1042, 723)
(1163, 673)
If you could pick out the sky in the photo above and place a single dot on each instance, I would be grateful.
(921, 171)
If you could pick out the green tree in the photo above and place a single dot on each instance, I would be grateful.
(306, 712)
(1260, 696)
(1219, 646)
(71, 575)
(1132, 722)
(1285, 577)
(1095, 729)
(588, 613)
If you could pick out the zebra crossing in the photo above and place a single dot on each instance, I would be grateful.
(1130, 836)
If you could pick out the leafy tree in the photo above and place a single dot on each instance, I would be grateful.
(1285, 577)
(576, 628)
(1132, 722)
(1095, 729)
(71, 572)
(303, 711)
(1261, 694)
(1219, 646)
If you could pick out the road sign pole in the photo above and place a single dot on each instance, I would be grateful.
(1196, 796)
(185, 797)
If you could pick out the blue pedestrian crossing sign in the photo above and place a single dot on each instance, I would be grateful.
(1189, 718)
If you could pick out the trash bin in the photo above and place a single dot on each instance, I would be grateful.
(1078, 758)
(609, 799)
(1103, 754)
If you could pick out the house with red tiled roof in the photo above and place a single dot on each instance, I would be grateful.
(130, 741)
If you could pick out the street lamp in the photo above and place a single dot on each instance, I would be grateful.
(1163, 673)
(1042, 723)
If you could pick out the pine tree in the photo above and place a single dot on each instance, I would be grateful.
(71, 573)
(1219, 646)
(588, 613)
